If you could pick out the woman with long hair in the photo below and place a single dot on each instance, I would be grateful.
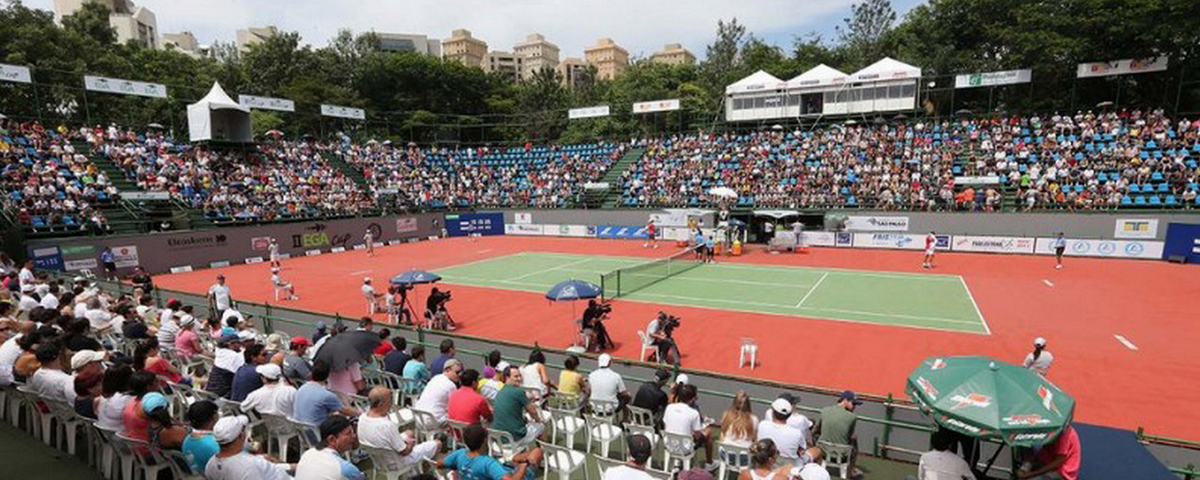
(762, 463)
(534, 372)
(146, 358)
(114, 396)
(738, 424)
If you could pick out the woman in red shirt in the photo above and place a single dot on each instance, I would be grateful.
(146, 357)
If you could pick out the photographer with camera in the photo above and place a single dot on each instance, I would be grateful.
(593, 325)
(397, 305)
(435, 310)
(660, 331)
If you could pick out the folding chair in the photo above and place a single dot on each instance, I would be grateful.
(563, 461)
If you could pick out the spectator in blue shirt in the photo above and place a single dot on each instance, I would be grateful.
(200, 446)
(416, 372)
(314, 402)
(447, 349)
(246, 379)
(473, 463)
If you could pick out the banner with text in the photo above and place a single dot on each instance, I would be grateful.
(984, 180)
(46, 258)
(903, 241)
(656, 106)
(1103, 248)
(627, 232)
(856, 223)
(407, 225)
(128, 195)
(967, 243)
(992, 79)
(461, 225)
(819, 239)
(588, 112)
(1122, 67)
(15, 73)
(523, 217)
(343, 112)
(125, 87)
(267, 103)
(126, 256)
(522, 229)
(1136, 228)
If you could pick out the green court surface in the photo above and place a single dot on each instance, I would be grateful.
(932, 301)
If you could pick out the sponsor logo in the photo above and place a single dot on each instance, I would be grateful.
(1107, 248)
(1048, 399)
(1081, 247)
(77, 250)
(938, 364)
(928, 388)
(898, 240)
(901, 222)
(406, 225)
(956, 423)
(1028, 420)
(1021, 437)
(197, 241)
(260, 243)
(971, 400)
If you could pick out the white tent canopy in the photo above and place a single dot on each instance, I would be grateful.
(218, 117)
(819, 76)
(757, 82)
(886, 69)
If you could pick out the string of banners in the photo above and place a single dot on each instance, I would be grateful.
(124, 87)
(343, 112)
(267, 103)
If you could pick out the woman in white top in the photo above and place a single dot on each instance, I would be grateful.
(534, 373)
(738, 424)
(762, 463)
(114, 398)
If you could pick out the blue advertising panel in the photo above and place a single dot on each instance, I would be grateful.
(47, 258)
(1183, 239)
(461, 225)
(628, 232)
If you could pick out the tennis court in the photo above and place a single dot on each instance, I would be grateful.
(931, 301)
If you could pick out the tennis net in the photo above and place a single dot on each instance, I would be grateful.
(623, 281)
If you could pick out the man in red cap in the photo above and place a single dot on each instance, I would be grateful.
(295, 367)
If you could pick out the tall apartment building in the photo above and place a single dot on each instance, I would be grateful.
(463, 48)
(673, 54)
(252, 35)
(570, 70)
(538, 54)
(609, 58)
(507, 64)
(185, 42)
(405, 42)
(130, 21)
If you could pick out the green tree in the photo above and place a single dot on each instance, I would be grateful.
(863, 33)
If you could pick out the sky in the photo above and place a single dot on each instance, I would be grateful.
(641, 26)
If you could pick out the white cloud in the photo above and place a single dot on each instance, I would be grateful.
(641, 26)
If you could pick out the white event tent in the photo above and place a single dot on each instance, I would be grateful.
(218, 117)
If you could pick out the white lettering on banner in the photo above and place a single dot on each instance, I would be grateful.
(343, 112)
(1145, 228)
(656, 106)
(819, 239)
(987, 180)
(673, 219)
(967, 243)
(45, 252)
(521, 229)
(88, 263)
(185, 268)
(145, 195)
(252, 260)
(337, 250)
(125, 257)
(406, 225)
(588, 112)
(361, 246)
(222, 263)
(1122, 67)
(312, 253)
(267, 103)
(124, 87)
(991, 79)
(15, 73)
(524, 218)
(596, 186)
(1104, 248)
(903, 241)
(876, 224)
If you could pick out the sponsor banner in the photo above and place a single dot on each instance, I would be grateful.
(343, 112)
(596, 186)
(312, 253)
(819, 239)
(82, 264)
(15, 73)
(1132, 228)
(845, 239)
(986, 180)
(406, 225)
(146, 195)
(341, 249)
(77, 250)
(124, 87)
(260, 244)
(576, 231)
(857, 223)
(523, 218)
(267, 103)
(967, 243)
(625, 231)
(220, 264)
(185, 268)
(284, 256)
(254, 260)
(465, 224)
(1104, 248)
(126, 256)
(1121, 67)
(523, 229)
(361, 246)
(903, 241)
(588, 112)
(197, 241)
(991, 79)
(671, 219)
(390, 242)
(47, 258)
(656, 106)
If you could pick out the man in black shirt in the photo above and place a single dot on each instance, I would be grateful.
(592, 319)
(142, 280)
(133, 328)
(395, 360)
(651, 396)
(77, 338)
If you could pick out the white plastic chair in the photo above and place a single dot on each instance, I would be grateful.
(180, 468)
(564, 417)
(427, 423)
(601, 429)
(731, 458)
(286, 289)
(68, 423)
(281, 430)
(388, 463)
(502, 445)
(148, 461)
(836, 455)
(749, 350)
(647, 346)
(563, 461)
(677, 447)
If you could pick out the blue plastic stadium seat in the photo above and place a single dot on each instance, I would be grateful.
(1126, 201)
(1171, 200)
(1155, 200)
(1133, 188)
(1140, 200)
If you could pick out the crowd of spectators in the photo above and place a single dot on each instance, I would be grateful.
(1084, 161)
(529, 176)
(47, 184)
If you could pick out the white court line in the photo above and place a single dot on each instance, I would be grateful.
(979, 312)
(1128, 344)
(746, 266)
(484, 250)
(360, 272)
(813, 289)
(551, 269)
(912, 317)
(690, 279)
(1048, 282)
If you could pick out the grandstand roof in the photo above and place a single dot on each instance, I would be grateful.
(819, 76)
(886, 69)
(758, 81)
(217, 99)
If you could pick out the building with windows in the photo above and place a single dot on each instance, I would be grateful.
(406, 42)
(508, 65)
(571, 70)
(537, 54)
(609, 58)
(252, 35)
(130, 21)
(673, 54)
(884, 86)
(184, 42)
(463, 48)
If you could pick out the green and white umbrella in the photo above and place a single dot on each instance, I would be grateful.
(989, 399)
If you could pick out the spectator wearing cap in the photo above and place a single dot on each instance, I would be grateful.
(837, 424)
(219, 296)
(490, 384)
(327, 461)
(247, 379)
(447, 351)
(226, 361)
(274, 397)
(314, 401)
(466, 404)
(510, 407)
(377, 429)
(435, 398)
(233, 462)
(650, 395)
(788, 440)
(162, 431)
(1040, 359)
(940, 462)
(796, 420)
(681, 418)
(187, 342)
(640, 450)
(473, 461)
(812, 468)
(87, 362)
(295, 365)
(134, 422)
(607, 385)
(199, 445)
(50, 381)
(394, 361)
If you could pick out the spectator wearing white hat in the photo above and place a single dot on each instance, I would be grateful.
(796, 420)
(789, 440)
(1040, 359)
(274, 397)
(87, 362)
(233, 462)
(607, 385)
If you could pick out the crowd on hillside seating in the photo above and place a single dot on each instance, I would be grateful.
(544, 176)
(47, 184)
(1088, 160)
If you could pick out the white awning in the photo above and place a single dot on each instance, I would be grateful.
(759, 81)
(819, 76)
(886, 69)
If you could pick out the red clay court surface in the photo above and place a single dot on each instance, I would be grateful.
(1079, 309)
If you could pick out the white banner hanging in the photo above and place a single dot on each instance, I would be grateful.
(15, 73)
(588, 112)
(1122, 67)
(656, 106)
(991, 79)
(343, 112)
(124, 87)
(267, 103)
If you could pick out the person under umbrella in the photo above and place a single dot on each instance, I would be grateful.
(343, 353)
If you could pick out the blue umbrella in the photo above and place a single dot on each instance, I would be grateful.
(573, 290)
(415, 277)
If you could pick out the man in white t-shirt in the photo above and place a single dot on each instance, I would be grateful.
(372, 297)
(790, 441)
(232, 462)
(681, 419)
(327, 461)
(942, 464)
(930, 250)
(376, 429)
(273, 397)
(436, 396)
(635, 469)
(796, 420)
(220, 295)
(50, 381)
(273, 253)
(26, 277)
(1040, 359)
(50, 298)
(606, 384)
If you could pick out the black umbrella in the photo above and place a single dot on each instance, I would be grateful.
(348, 348)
